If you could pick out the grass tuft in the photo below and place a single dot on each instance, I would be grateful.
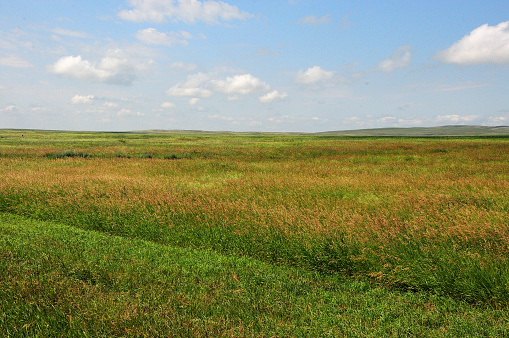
(67, 153)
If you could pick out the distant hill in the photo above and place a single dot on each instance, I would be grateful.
(425, 131)
(455, 130)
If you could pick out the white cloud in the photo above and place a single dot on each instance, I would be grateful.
(193, 101)
(314, 20)
(9, 109)
(71, 33)
(192, 87)
(110, 104)
(123, 111)
(219, 117)
(15, 39)
(485, 44)
(111, 69)
(455, 118)
(128, 112)
(387, 119)
(151, 36)
(202, 86)
(15, 61)
(40, 109)
(282, 119)
(499, 119)
(79, 99)
(167, 105)
(407, 122)
(188, 67)
(313, 75)
(190, 92)
(240, 84)
(272, 96)
(188, 11)
(7, 45)
(401, 58)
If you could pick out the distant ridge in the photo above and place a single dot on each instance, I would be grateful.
(209, 132)
(442, 131)
(455, 130)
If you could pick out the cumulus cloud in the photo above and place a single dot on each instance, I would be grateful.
(15, 61)
(455, 118)
(400, 59)
(187, 11)
(485, 44)
(314, 20)
(111, 69)
(313, 75)
(151, 36)
(199, 86)
(190, 92)
(240, 84)
(272, 96)
(167, 105)
(192, 87)
(80, 99)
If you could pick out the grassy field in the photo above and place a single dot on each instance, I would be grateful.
(198, 234)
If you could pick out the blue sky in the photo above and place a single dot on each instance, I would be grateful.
(289, 65)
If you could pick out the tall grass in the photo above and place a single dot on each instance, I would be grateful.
(58, 280)
(410, 214)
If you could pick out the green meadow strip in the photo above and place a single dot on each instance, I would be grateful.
(57, 280)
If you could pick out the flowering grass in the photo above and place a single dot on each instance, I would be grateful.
(410, 214)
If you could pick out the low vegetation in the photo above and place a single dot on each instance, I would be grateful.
(275, 233)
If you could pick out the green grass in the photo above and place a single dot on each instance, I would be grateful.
(408, 235)
(59, 280)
